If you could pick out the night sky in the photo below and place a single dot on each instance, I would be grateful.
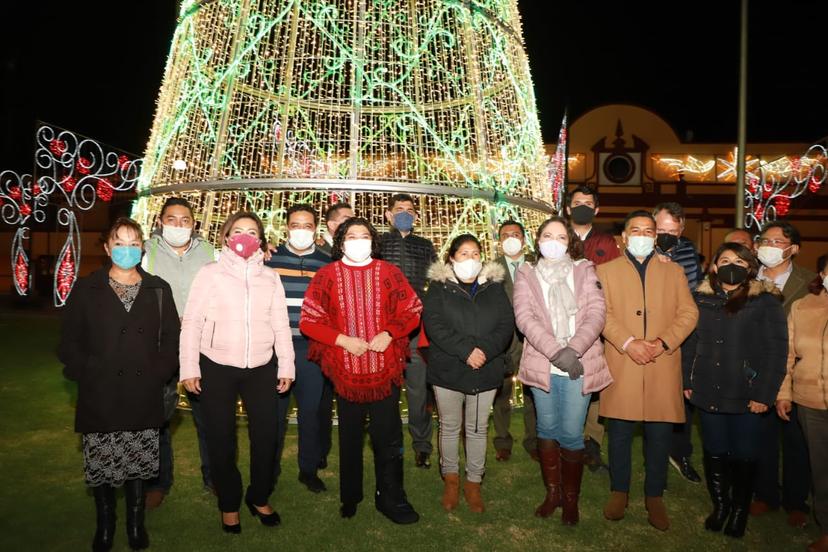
(96, 66)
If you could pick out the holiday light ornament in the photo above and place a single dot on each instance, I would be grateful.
(274, 102)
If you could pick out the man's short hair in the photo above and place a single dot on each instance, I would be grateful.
(333, 209)
(511, 222)
(673, 209)
(640, 213)
(585, 190)
(302, 207)
(173, 201)
(400, 198)
(788, 230)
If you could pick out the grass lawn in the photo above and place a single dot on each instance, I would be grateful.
(44, 504)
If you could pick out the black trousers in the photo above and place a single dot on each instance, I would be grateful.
(796, 472)
(682, 444)
(220, 385)
(657, 438)
(385, 430)
(734, 435)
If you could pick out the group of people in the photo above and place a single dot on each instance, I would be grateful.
(634, 335)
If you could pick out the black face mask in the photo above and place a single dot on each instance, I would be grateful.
(732, 274)
(582, 214)
(666, 242)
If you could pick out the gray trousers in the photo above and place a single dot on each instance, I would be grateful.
(451, 406)
(416, 393)
(815, 427)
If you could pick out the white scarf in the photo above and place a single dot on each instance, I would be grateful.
(562, 304)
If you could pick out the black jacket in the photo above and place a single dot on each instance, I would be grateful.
(119, 359)
(456, 323)
(411, 254)
(733, 359)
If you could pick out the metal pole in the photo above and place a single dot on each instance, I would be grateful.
(742, 137)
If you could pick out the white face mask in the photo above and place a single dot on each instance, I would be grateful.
(825, 283)
(300, 239)
(552, 249)
(512, 246)
(357, 250)
(468, 269)
(176, 236)
(770, 256)
(640, 246)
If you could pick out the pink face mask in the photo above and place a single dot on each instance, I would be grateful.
(243, 245)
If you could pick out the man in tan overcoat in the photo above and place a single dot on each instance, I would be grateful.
(650, 313)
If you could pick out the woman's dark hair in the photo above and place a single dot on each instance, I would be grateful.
(739, 297)
(458, 242)
(234, 218)
(121, 222)
(339, 237)
(816, 286)
(575, 249)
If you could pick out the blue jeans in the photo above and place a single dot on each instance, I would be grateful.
(736, 435)
(561, 413)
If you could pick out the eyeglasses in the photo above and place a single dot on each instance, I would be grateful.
(774, 242)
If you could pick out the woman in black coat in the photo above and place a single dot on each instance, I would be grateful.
(469, 323)
(119, 342)
(733, 365)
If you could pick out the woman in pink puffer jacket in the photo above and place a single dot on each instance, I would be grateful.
(235, 319)
(560, 309)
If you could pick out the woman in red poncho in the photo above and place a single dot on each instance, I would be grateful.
(358, 312)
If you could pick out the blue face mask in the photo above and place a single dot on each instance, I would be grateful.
(126, 256)
(404, 221)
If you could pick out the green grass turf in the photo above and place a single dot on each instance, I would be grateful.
(44, 504)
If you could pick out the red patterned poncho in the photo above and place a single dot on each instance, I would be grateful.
(360, 301)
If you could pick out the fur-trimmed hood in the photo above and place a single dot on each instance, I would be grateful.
(443, 272)
(756, 287)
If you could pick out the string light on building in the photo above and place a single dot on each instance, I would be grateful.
(274, 102)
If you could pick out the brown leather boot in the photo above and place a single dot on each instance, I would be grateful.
(616, 505)
(657, 513)
(572, 470)
(451, 491)
(550, 464)
(819, 545)
(473, 497)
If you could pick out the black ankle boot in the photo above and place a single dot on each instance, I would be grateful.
(742, 472)
(105, 518)
(136, 532)
(717, 474)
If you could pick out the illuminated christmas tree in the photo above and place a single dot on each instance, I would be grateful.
(272, 102)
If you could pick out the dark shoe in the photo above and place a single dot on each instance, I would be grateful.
(312, 482)
(105, 518)
(234, 529)
(323, 464)
(686, 469)
(399, 511)
(616, 506)
(717, 475)
(270, 520)
(135, 507)
(347, 510)
(572, 471)
(798, 519)
(657, 513)
(503, 455)
(742, 473)
(759, 507)
(592, 455)
(550, 464)
(154, 498)
(819, 545)
(422, 460)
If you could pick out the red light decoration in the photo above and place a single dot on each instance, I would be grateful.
(66, 273)
(25, 210)
(83, 165)
(21, 273)
(69, 184)
(782, 204)
(36, 190)
(104, 190)
(814, 184)
(123, 161)
(57, 147)
(15, 193)
(759, 211)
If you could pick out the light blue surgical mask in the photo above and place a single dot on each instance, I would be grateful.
(640, 246)
(126, 256)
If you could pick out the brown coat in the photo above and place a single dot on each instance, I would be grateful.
(807, 353)
(653, 392)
